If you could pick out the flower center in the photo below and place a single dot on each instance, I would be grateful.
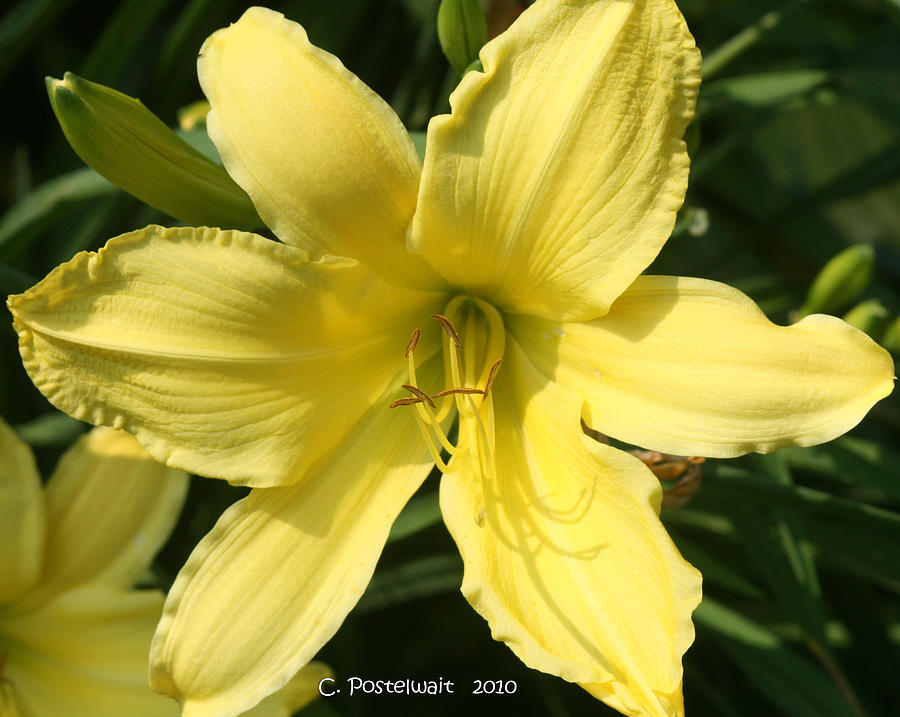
(473, 344)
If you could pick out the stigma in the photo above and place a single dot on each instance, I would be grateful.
(473, 342)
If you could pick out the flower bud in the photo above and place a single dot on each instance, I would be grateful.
(891, 337)
(869, 317)
(462, 30)
(842, 280)
(126, 143)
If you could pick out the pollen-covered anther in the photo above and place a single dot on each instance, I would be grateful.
(490, 379)
(448, 391)
(420, 394)
(406, 401)
(413, 342)
(448, 328)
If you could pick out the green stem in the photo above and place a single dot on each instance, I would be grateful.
(746, 38)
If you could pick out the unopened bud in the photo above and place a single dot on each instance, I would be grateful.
(842, 280)
(891, 337)
(462, 30)
(126, 143)
(869, 317)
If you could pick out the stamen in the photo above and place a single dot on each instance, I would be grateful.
(490, 378)
(408, 401)
(448, 391)
(435, 453)
(448, 328)
(420, 394)
(413, 342)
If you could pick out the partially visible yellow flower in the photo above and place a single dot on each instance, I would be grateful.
(543, 196)
(74, 638)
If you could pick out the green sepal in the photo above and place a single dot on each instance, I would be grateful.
(462, 30)
(842, 279)
(126, 143)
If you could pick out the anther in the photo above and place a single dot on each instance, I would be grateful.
(448, 328)
(420, 394)
(408, 401)
(448, 391)
(490, 378)
(413, 342)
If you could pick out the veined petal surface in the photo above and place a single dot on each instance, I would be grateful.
(224, 353)
(277, 575)
(326, 161)
(87, 648)
(693, 367)
(557, 177)
(22, 516)
(565, 555)
(110, 508)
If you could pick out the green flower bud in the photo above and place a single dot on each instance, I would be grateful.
(126, 143)
(842, 280)
(891, 337)
(868, 316)
(462, 30)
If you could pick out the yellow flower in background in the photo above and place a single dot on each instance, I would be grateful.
(550, 187)
(74, 638)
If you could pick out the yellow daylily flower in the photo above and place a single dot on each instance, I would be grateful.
(74, 639)
(288, 368)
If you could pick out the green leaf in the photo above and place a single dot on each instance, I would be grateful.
(791, 682)
(766, 88)
(51, 200)
(51, 429)
(420, 513)
(409, 581)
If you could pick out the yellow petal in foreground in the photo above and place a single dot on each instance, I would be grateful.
(556, 180)
(226, 354)
(22, 516)
(564, 553)
(300, 556)
(328, 164)
(96, 534)
(693, 367)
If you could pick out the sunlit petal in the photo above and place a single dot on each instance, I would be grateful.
(564, 553)
(226, 354)
(22, 516)
(326, 161)
(275, 578)
(557, 178)
(693, 367)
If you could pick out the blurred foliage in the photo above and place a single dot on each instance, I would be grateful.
(796, 155)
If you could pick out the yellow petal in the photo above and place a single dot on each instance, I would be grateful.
(110, 508)
(274, 579)
(557, 178)
(224, 353)
(295, 695)
(564, 553)
(326, 161)
(693, 367)
(85, 653)
(22, 516)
